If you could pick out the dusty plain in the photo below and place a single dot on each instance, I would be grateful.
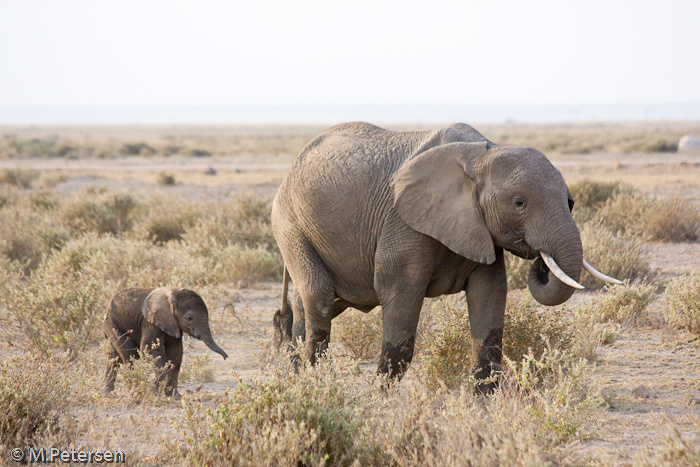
(253, 160)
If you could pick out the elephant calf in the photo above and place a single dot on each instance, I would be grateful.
(153, 320)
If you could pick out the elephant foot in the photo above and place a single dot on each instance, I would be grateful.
(396, 359)
(488, 368)
(109, 393)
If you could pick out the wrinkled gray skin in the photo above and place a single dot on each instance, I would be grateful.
(153, 320)
(371, 217)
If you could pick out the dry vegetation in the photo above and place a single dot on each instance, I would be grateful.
(63, 254)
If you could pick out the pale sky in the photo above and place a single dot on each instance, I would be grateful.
(228, 53)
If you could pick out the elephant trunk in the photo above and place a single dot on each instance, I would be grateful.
(567, 252)
(209, 341)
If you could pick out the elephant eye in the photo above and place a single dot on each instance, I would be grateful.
(518, 201)
(189, 318)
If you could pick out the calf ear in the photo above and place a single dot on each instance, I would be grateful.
(159, 309)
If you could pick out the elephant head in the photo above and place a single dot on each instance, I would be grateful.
(474, 197)
(174, 310)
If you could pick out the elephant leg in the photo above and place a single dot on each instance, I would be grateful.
(126, 348)
(173, 355)
(156, 349)
(486, 298)
(318, 311)
(315, 291)
(400, 321)
(111, 374)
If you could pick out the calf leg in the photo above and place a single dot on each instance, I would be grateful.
(173, 354)
(111, 374)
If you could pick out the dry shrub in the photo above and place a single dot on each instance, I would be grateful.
(197, 369)
(682, 307)
(99, 212)
(665, 220)
(360, 333)
(312, 418)
(29, 230)
(167, 218)
(327, 415)
(677, 450)
(518, 270)
(620, 256)
(244, 221)
(589, 196)
(529, 329)
(137, 149)
(243, 266)
(165, 179)
(622, 304)
(139, 378)
(18, 177)
(33, 392)
(673, 220)
(594, 194)
(446, 350)
(121, 262)
(625, 213)
(50, 310)
(162, 228)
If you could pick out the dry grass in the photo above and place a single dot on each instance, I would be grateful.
(18, 177)
(143, 141)
(329, 415)
(63, 258)
(618, 255)
(33, 394)
(624, 304)
(359, 333)
(336, 414)
(665, 220)
(529, 329)
(683, 302)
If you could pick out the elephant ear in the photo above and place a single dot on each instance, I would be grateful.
(436, 194)
(159, 309)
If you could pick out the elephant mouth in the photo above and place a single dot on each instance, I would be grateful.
(522, 250)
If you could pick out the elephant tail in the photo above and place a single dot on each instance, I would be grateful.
(283, 319)
(285, 291)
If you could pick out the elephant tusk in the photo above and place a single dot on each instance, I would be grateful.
(557, 271)
(595, 273)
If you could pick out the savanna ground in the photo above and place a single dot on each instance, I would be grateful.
(610, 378)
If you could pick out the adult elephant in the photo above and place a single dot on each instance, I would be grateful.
(370, 217)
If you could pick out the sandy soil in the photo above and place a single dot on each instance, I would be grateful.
(664, 360)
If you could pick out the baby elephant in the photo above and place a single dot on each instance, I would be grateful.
(153, 320)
